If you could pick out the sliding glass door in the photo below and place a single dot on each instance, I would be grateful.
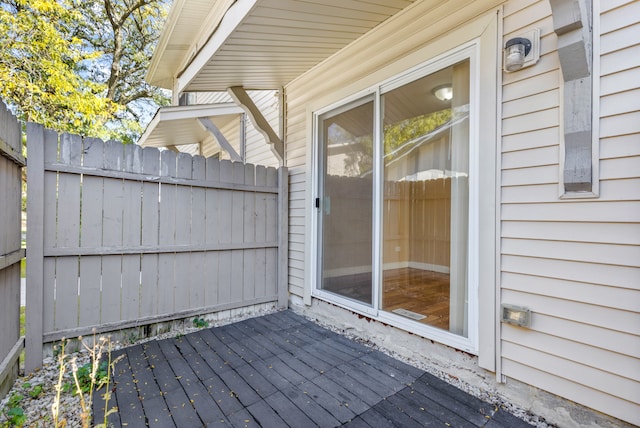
(395, 202)
(346, 202)
(426, 199)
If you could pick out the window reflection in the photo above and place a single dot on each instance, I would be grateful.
(425, 206)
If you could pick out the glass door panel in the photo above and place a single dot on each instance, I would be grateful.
(426, 199)
(346, 202)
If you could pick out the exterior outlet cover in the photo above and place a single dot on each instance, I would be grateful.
(534, 54)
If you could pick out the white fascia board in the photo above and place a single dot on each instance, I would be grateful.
(164, 114)
(198, 110)
(232, 19)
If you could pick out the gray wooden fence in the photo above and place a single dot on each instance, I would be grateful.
(120, 236)
(11, 163)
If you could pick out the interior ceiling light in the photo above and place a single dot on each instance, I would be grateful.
(443, 92)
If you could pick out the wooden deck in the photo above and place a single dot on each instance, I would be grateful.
(282, 370)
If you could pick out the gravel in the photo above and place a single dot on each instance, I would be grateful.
(37, 410)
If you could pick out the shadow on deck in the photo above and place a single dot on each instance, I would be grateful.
(282, 370)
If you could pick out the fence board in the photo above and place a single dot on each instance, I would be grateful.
(35, 242)
(150, 233)
(91, 213)
(197, 286)
(183, 233)
(214, 219)
(167, 223)
(212, 287)
(90, 274)
(48, 286)
(133, 236)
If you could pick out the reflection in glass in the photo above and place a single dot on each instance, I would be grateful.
(346, 220)
(426, 200)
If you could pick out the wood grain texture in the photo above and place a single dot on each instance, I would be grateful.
(133, 236)
(11, 163)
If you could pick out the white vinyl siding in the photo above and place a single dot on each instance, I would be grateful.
(574, 263)
(420, 32)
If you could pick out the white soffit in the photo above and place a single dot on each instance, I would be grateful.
(264, 44)
(188, 26)
(176, 126)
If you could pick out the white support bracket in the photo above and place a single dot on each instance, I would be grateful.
(224, 143)
(572, 23)
(242, 99)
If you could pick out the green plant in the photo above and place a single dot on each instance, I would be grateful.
(15, 417)
(14, 412)
(35, 391)
(15, 400)
(200, 322)
(85, 373)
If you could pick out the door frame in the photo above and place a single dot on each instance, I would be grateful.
(469, 50)
(485, 30)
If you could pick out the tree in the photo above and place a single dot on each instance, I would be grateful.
(400, 138)
(78, 66)
(125, 32)
(38, 63)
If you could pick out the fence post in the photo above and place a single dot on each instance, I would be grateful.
(35, 247)
(283, 237)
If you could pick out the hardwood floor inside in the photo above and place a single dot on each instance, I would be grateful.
(419, 291)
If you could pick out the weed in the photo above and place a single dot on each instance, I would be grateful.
(35, 391)
(200, 322)
(14, 412)
(15, 400)
(90, 377)
(15, 417)
(86, 379)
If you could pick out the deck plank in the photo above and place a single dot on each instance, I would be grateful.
(349, 383)
(314, 411)
(129, 406)
(438, 411)
(265, 415)
(283, 370)
(157, 412)
(222, 395)
(181, 409)
(394, 412)
(239, 388)
(142, 373)
(337, 409)
(288, 411)
(345, 396)
(255, 380)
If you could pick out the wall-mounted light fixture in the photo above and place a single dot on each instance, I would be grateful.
(516, 315)
(522, 51)
(515, 51)
(443, 92)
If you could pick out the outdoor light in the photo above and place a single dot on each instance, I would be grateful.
(516, 50)
(516, 315)
(443, 92)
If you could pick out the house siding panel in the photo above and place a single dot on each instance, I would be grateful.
(575, 262)
(356, 68)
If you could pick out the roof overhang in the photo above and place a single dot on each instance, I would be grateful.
(180, 125)
(258, 44)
